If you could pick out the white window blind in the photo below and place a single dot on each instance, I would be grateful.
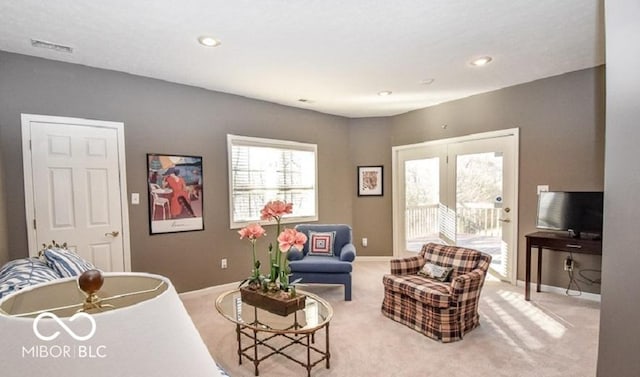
(261, 170)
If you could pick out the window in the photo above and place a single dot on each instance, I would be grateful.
(261, 170)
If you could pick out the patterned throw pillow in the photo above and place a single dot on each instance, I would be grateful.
(66, 262)
(321, 243)
(433, 271)
(21, 273)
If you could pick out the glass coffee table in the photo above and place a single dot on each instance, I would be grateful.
(279, 335)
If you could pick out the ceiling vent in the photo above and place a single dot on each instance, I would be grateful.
(51, 46)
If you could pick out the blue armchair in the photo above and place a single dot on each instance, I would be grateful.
(322, 261)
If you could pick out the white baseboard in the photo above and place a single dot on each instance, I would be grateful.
(560, 290)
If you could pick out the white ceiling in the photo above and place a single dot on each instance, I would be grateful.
(337, 53)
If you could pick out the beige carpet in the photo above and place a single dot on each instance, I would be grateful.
(553, 335)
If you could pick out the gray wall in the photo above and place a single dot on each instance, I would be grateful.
(619, 330)
(560, 118)
(561, 122)
(162, 117)
(371, 145)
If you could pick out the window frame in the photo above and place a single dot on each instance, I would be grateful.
(237, 140)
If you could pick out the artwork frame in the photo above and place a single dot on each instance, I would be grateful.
(370, 180)
(176, 193)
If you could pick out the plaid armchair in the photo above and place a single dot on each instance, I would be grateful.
(440, 310)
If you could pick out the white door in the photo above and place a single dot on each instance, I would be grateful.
(460, 191)
(421, 196)
(74, 178)
(483, 195)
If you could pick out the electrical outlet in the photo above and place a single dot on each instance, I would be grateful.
(568, 264)
(223, 263)
(364, 242)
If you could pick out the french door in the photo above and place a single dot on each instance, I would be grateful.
(462, 192)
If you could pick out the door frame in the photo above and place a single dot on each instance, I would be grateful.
(27, 119)
(398, 247)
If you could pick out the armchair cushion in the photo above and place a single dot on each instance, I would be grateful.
(321, 243)
(320, 264)
(427, 291)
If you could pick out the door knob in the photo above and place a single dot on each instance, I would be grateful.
(505, 220)
(112, 234)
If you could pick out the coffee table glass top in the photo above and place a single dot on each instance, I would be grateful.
(317, 313)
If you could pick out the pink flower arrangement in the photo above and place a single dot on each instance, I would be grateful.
(278, 277)
(252, 232)
(275, 209)
(291, 238)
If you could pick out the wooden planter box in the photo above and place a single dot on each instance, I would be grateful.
(272, 302)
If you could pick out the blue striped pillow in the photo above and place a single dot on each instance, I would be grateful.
(21, 273)
(66, 262)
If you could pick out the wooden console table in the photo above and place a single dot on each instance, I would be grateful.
(556, 242)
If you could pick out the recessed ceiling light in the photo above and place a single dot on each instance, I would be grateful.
(384, 93)
(427, 81)
(209, 41)
(479, 62)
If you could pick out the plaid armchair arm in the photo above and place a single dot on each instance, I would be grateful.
(407, 266)
(467, 287)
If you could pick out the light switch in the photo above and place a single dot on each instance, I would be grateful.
(135, 198)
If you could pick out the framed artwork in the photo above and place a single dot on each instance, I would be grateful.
(175, 193)
(370, 181)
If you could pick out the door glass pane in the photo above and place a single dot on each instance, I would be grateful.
(479, 204)
(422, 197)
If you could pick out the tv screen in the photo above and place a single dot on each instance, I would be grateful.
(572, 211)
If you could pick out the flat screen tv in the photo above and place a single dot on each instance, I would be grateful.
(574, 211)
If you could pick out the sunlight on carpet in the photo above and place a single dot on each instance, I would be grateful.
(534, 313)
(518, 330)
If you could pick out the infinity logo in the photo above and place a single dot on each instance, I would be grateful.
(64, 326)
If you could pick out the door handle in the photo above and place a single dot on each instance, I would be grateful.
(112, 234)
(505, 220)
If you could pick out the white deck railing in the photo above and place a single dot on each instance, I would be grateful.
(471, 218)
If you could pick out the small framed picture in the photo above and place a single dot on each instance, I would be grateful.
(370, 181)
